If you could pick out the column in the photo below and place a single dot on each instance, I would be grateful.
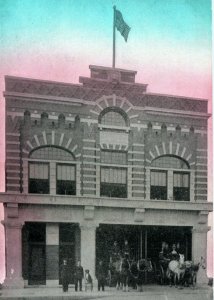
(170, 185)
(52, 254)
(88, 247)
(78, 179)
(13, 251)
(129, 182)
(148, 184)
(52, 178)
(199, 250)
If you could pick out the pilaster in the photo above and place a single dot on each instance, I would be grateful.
(13, 251)
(52, 254)
(199, 251)
(88, 246)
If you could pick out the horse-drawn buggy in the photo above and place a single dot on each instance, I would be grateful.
(178, 272)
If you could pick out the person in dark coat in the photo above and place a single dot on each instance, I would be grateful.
(134, 274)
(126, 249)
(125, 270)
(78, 276)
(64, 272)
(101, 276)
(115, 252)
(174, 254)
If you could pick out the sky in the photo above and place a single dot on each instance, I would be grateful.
(169, 45)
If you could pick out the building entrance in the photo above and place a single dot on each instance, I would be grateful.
(34, 253)
(144, 241)
(68, 243)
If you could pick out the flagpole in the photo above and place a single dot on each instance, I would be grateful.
(114, 38)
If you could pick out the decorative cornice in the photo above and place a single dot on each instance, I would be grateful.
(75, 93)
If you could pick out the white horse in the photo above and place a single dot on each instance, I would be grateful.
(176, 270)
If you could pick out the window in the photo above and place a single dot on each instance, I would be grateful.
(54, 161)
(181, 186)
(113, 157)
(39, 178)
(175, 171)
(113, 182)
(158, 185)
(113, 118)
(66, 183)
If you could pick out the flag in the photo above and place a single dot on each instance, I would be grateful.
(121, 25)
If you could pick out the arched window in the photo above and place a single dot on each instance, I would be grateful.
(170, 178)
(169, 161)
(113, 118)
(51, 170)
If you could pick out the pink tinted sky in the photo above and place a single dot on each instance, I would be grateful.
(169, 45)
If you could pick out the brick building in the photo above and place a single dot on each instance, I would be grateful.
(103, 160)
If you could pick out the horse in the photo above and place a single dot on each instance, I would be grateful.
(114, 272)
(191, 270)
(176, 270)
(125, 273)
(143, 266)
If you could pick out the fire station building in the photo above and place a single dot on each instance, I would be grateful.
(99, 161)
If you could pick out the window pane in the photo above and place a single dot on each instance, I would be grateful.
(38, 171)
(113, 118)
(65, 172)
(181, 190)
(113, 175)
(158, 178)
(181, 180)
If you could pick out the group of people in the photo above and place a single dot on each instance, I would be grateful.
(166, 254)
(126, 271)
(79, 276)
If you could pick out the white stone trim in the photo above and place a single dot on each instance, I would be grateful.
(61, 139)
(138, 145)
(13, 142)
(164, 147)
(136, 152)
(89, 141)
(29, 144)
(37, 140)
(12, 151)
(74, 148)
(13, 134)
(136, 159)
(91, 148)
(53, 137)
(157, 150)
(44, 137)
(68, 143)
(183, 152)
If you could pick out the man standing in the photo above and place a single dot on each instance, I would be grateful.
(115, 252)
(101, 276)
(64, 272)
(78, 276)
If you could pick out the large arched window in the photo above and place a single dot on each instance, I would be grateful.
(52, 170)
(113, 118)
(170, 178)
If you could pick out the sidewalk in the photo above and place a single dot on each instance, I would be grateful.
(151, 292)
